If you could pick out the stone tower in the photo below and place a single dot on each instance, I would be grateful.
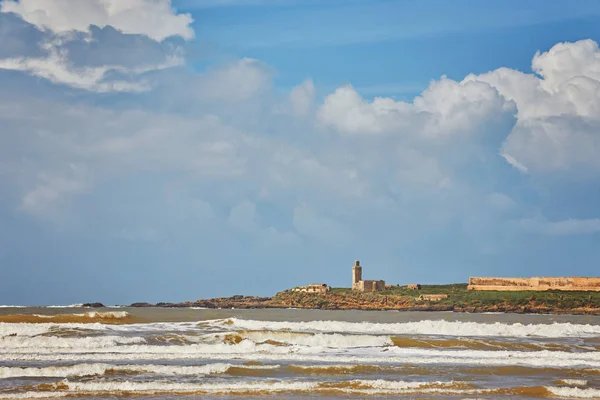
(356, 273)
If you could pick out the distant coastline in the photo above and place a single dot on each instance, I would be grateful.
(455, 297)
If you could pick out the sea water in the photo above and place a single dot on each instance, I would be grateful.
(156, 353)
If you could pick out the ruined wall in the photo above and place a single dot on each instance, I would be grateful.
(535, 283)
(364, 286)
(370, 286)
(319, 288)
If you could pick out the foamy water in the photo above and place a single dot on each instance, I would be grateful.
(56, 352)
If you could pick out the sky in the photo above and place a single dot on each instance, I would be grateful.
(156, 150)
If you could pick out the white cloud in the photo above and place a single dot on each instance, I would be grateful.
(302, 98)
(558, 110)
(237, 81)
(346, 111)
(566, 61)
(447, 108)
(391, 158)
(512, 161)
(56, 68)
(154, 18)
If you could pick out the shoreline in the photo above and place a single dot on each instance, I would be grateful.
(251, 302)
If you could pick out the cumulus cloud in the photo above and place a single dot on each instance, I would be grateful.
(558, 109)
(447, 108)
(82, 55)
(435, 154)
(154, 18)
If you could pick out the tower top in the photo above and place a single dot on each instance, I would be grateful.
(357, 263)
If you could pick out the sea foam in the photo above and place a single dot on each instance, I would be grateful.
(424, 327)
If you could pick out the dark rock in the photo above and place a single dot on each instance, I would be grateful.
(93, 305)
(142, 304)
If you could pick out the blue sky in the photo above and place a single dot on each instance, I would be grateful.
(169, 151)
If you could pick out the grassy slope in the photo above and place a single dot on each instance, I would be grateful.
(459, 296)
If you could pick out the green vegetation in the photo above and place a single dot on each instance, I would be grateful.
(458, 295)
(459, 299)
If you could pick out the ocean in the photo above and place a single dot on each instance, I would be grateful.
(155, 353)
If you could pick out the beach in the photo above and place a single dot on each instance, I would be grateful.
(159, 353)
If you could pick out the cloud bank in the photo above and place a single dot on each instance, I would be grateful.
(117, 140)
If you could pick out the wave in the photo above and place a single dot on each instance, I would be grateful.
(66, 388)
(261, 370)
(424, 327)
(123, 322)
(81, 370)
(107, 317)
(576, 393)
(317, 340)
(572, 382)
(43, 343)
(78, 305)
(250, 351)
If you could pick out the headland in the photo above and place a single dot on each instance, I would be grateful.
(541, 295)
(454, 297)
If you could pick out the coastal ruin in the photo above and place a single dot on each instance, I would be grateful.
(364, 286)
(319, 288)
(535, 283)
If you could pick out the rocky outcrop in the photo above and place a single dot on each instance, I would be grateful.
(140, 305)
(237, 301)
(353, 300)
(93, 305)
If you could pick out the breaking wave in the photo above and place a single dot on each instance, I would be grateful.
(334, 340)
(66, 388)
(424, 327)
(576, 393)
(78, 305)
(44, 343)
(250, 351)
(113, 354)
(81, 370)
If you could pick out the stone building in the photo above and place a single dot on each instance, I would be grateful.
(535, 283)
(364, 286)
(319, 288)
